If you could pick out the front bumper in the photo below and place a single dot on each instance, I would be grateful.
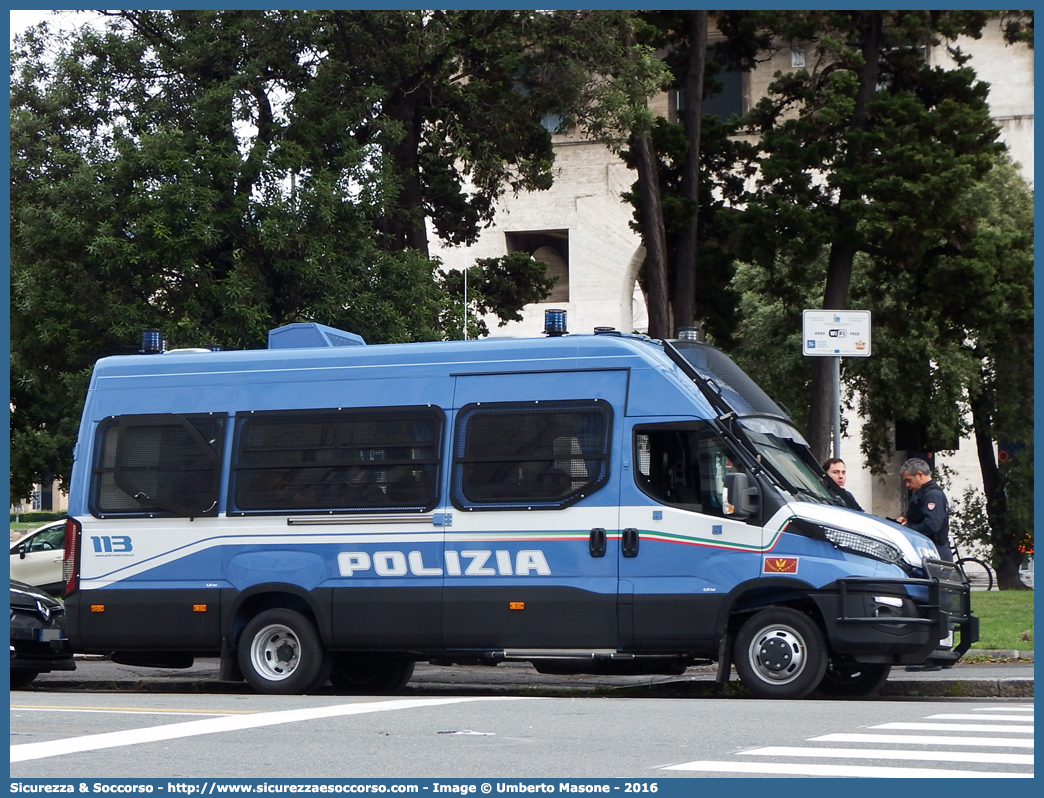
(39, 647)
(904, 621)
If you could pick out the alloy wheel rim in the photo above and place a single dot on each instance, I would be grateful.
(275, 652)
(777, 654)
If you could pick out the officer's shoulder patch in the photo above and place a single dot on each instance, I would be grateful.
(931, 505)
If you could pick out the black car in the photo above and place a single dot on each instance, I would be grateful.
(39, 642)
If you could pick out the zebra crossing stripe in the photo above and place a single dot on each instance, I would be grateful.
(919, 739)
(897, 755)
(894, 753)
(850, 771)
(970, 716)
(971, 727)
(1003, 708)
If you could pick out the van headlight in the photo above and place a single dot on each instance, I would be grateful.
(863, 544)
(888, 607)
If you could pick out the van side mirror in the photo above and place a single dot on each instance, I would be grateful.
(739, 498)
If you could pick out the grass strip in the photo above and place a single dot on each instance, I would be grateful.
(1005, 619)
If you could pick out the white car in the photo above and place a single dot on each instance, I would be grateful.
(36, 557)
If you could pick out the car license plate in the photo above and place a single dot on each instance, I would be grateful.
(47, 635)
(947, 642)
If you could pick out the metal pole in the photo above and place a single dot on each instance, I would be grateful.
(465, 303)
(837, 406)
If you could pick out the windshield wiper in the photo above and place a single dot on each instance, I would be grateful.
(817, 496)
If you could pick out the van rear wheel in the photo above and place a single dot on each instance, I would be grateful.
(280, 653)
(780, 653)
(358, 674)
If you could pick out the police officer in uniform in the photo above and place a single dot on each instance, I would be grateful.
(927, 513)
(927, 510)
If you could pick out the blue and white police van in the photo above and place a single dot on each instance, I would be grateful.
(326, 510)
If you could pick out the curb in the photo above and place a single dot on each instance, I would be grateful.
(1013, 687)
(1000, 673)
(997, 653)
(1005, 687)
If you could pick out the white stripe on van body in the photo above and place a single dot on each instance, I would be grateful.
(171, 539)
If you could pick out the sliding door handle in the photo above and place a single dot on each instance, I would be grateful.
(629, 542)
(598, 542)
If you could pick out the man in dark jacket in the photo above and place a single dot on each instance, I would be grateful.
(927, 510)
(835, 469)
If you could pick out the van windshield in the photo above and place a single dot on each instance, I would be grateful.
(797, 474)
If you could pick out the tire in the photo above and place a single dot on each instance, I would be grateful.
(780, 653)
(978, 573)
(323, 677)
(22, 679)
(364, 674)
(853, 679)
(280, 653)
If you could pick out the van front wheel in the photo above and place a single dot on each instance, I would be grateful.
(780, 653)
(280, 653)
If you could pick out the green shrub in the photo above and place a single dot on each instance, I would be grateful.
(37, 516)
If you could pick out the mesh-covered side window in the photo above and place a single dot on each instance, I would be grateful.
(539, 455)
(370, 459)
(158, 464)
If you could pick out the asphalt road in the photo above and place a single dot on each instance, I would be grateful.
(108, 720)
(84, 735)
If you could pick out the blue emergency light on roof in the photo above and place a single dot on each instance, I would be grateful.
(555, 322)
(151, 342)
